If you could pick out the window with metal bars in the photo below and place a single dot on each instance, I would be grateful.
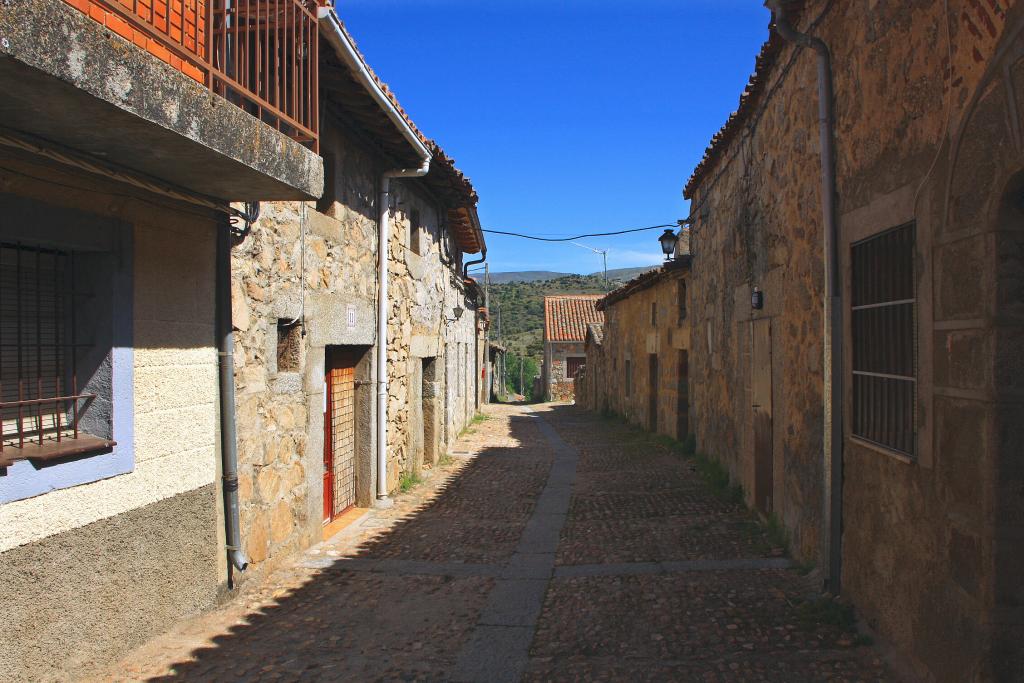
(884, 329)
(43, 406)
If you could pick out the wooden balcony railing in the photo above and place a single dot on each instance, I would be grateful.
(261, 55)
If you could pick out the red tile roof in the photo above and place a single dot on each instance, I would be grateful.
(566, 316)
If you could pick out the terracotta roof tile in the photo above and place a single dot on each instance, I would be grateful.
(566, 316)
(644, 281)
(595, 331)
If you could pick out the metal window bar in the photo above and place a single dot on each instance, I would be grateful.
(884, 317)
(38, 348)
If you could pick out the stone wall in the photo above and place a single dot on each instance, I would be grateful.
(591, 390)
(560, 387)
(86, 570)
(315, 270)
(925, 132)
(323, 277)
(631, 336)
(426, 289)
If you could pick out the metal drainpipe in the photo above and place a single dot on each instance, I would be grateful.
(383, 240)
(833, 348)
(465, 267)
(226, 369)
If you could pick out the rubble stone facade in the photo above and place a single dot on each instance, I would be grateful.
(641, 367)
(313, 273)
(928, 134)
(565, 330)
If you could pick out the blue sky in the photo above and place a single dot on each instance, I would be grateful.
(569, 116)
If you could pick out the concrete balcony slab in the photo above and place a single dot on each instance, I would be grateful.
(67, 79)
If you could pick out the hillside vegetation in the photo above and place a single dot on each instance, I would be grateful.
(522, 306)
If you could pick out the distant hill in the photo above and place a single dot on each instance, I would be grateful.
(525, 276)
(625, 274)
(619, 274)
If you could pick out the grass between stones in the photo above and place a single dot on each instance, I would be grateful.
(409, 481)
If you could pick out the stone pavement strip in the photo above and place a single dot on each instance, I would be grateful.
(554, 546)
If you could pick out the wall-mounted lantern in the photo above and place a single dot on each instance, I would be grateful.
(669, 239)
(757, 299)
(457, 311)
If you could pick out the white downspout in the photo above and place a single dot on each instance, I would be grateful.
(336, 36)
(383, 240)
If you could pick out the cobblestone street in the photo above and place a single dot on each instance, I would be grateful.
(552, 545)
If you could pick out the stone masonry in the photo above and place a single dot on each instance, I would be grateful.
(927, 131)
(310, 270)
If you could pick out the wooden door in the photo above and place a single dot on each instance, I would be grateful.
(683, 397)
(761, 399)
(652, 409)
(339, 433)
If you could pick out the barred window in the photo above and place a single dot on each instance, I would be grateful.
(573, 365)
(884, 317)
(44, 405)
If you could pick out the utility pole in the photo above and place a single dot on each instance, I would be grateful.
(487, 333)
(604, 257)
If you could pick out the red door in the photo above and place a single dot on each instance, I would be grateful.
(339, 433)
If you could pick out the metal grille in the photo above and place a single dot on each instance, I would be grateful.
(884, 315)
(573, 365)
(343, 442)
(40, 404)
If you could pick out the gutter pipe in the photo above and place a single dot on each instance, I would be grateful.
(833, 349)
(383, 240)
(346, 50)
(226, 377)
(336, 36)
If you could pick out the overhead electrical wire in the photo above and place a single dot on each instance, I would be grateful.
(576, 237)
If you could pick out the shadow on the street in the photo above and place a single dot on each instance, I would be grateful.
(388, 624)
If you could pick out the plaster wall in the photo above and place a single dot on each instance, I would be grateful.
(87, 570)
(926, 131)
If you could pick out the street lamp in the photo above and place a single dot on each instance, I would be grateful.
(458, 311)
(669, 239)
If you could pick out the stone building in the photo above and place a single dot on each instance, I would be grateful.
(306, 295)
(565, 329)
(899, 472)
(118, 164)
(637, 365)
(590, 392)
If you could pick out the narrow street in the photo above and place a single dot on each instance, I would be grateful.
(553, 545)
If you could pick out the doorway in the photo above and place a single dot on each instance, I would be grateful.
(683, 397)
(431, 413)
(761, 404)
(652, 405)
(339, 430)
